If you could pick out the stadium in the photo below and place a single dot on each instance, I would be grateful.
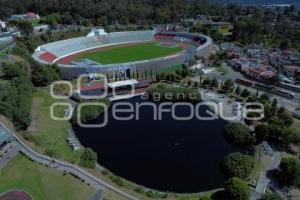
(120, 52)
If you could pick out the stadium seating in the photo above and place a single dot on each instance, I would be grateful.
(67, 47)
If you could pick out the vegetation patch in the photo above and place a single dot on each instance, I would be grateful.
(130, 53)
(41, 182)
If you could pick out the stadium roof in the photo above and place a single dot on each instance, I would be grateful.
(123, 83)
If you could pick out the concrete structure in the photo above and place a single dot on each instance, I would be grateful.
(27, 16)
(97, 32)
(61, 52)
(42, 27)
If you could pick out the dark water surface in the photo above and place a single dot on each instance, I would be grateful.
(168, 155)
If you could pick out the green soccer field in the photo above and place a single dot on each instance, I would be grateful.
(136, 52)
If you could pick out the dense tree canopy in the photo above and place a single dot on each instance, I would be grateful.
(289, 172)
(88, 158)
(16, 95)
(238, 165)
(107, 11)
(237, 189)
(238, 133)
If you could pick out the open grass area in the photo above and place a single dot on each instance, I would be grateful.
(41, 182)
(48, 135)
(136, 52)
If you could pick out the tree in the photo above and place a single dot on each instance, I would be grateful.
(238, 90)
(90, 112)
(271, 196)
(237, 189)
(206, 82)
(264, 97)
(228, 86)
(25, 27)
(214, 83)
(238, 165)
(274, 105)
(245, 93)
(285, 117)
(238, 133)
(12, 70)
(88, 158)
(261, 132)
(289, 172)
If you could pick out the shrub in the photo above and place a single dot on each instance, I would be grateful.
(238, 165)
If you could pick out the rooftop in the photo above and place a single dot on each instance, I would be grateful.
(123, 83)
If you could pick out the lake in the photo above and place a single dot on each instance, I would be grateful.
(167, 155)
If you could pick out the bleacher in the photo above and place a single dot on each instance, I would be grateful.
(68, 47)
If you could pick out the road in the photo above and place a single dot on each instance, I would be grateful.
(62, 166)
(264, 179)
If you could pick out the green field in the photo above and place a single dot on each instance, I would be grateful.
(49, 135)
(130, 53)
(41, 182)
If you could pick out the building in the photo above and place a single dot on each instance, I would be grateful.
(291, 71)
(28, 16)
(9, 36)
(263, 73)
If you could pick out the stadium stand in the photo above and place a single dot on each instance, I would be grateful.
(68, 47)
(63, 52)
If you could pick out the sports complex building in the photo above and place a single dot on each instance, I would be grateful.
(125, 52)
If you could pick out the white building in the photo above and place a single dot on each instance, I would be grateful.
(97, 32)
(2, 24)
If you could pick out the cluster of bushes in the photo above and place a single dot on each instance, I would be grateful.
(16, 95)
(88, 158)
(240, 134)
(43, 75)
(90, 112)
(274, 127)
(289, 172)
(238, 165)
(164, 92)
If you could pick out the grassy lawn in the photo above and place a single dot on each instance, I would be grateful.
(131, 53)
(47, 134)
(41, 182)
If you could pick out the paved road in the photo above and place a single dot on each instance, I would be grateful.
(9, 154)
(65, 167)
(264, 179)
